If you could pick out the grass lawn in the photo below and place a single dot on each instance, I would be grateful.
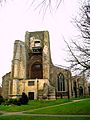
(78, 108)
(41, 118)
(82, 107)
(32, 105)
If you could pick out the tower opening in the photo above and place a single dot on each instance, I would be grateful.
(36, 71)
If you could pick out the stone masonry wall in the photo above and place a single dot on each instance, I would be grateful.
(19, 61)
(5, 84)
(46, 57)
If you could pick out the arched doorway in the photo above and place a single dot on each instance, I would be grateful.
(80, 91)
(75, 88)
(36, 71)
(61, 82)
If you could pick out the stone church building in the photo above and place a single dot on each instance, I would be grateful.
(33, 72)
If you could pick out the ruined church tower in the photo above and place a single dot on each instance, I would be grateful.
(38, 55)
(32, 70)
(31, 63)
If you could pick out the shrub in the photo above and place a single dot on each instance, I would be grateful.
(12, 101)
(1, 100)
(23, 100)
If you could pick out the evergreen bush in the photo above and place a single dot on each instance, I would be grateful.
(1, 100)
(23, 100)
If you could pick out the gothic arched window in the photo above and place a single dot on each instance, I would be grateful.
(61, 82)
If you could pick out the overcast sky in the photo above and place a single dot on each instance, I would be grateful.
(18, 16)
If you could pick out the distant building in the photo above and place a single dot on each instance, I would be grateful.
(33, 72)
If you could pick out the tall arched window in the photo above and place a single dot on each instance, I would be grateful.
(61, 82)
(36, 71)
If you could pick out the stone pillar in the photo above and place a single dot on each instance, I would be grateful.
(9, 91)
(69, 83)
(18, 65)
(14, 88)
(16, 60)
(46, 56)
(19, 61)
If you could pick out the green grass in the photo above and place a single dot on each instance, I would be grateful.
(41, 118)
(32, 105)
(82, 107)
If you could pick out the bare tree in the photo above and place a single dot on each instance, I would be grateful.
(43, 4)
(1, 1)
(46, 4)
(80, 48)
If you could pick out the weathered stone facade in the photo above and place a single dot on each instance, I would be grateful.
(5, 85)
(80, 86)
(32, 70)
